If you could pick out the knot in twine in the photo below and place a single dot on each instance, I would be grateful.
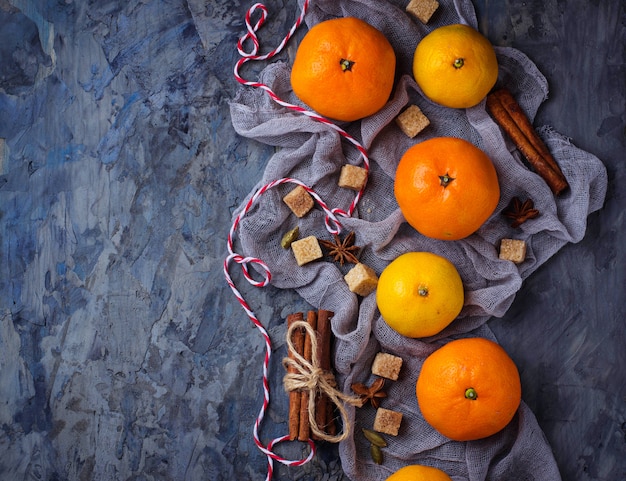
(309, 376)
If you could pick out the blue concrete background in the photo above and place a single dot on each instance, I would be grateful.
(123, 353)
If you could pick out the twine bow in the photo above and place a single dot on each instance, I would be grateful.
(309, 376)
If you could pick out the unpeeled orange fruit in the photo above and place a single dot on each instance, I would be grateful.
(455, 66)
(417, 472)
(468, 389)
(344, 69)
(419, 294)
(446, 187)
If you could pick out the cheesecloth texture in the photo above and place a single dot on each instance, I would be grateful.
(313, 153)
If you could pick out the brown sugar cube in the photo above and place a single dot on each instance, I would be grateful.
(513, 250)
(306, 250)
(387, 366)
(361, 280)
(387, 421)
(412, 121)
(422, 9)
(352, 177)
(299, 201)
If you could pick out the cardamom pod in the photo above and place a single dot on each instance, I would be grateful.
(289, 237)
(377, 454)
(374, 438)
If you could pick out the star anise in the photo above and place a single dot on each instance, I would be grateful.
(520, 211)
(342, 251)
(373, 393)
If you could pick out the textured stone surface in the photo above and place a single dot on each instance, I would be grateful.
(123, 353)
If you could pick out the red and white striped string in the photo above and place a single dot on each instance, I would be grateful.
(333, 224)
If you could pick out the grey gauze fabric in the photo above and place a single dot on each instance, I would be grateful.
(313, 153)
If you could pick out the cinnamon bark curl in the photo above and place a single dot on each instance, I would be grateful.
(511, 118)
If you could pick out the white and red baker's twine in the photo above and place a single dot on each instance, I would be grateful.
(333, 225)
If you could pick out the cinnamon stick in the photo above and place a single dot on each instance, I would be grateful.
(323, 359)
(524, 125)
(511, 118)
(294, 396)
(304, 431)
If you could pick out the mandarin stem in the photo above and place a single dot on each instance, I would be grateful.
(346, 65)
(470, 393)
(445, 179)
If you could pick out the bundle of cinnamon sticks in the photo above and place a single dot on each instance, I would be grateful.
(511, 118)
(299, 421)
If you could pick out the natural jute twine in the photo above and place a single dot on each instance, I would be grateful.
(309, 376)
